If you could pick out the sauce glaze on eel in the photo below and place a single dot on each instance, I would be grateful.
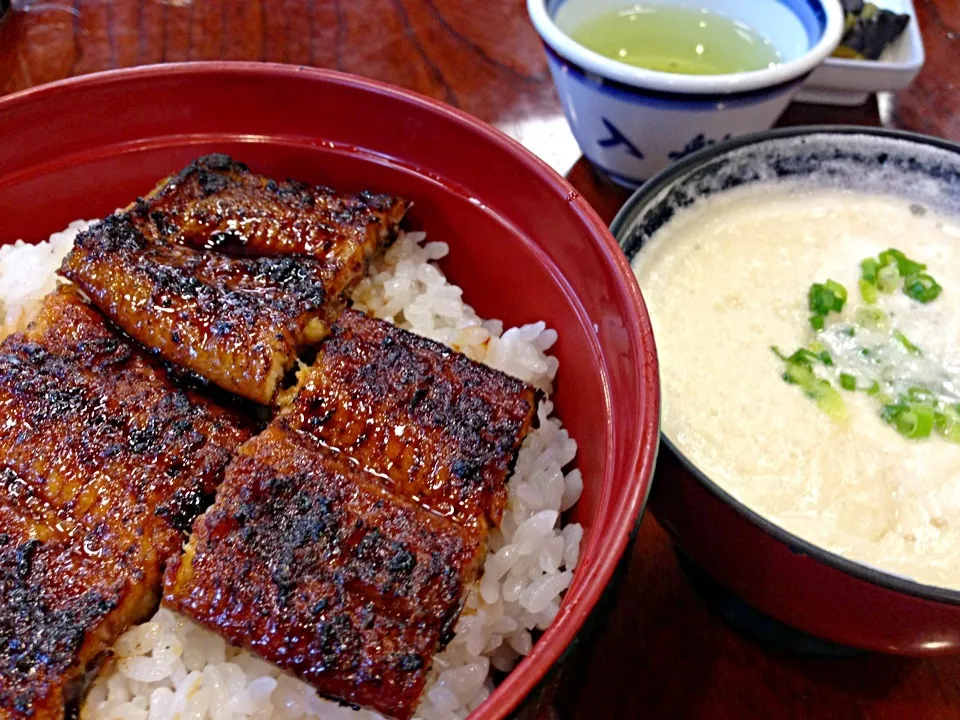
(345, 537)
(230, 274)
(104, 464)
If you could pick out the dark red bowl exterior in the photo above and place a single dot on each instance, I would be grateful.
(525, 245)
(796, 587)
(787, 578)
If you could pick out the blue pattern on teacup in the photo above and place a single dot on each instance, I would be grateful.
(698, 143)
(630, 135)
(617, 138)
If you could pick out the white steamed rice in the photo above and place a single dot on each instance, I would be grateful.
(171, 669)
(28, 273)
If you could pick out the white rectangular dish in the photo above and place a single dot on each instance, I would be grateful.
(839, 81)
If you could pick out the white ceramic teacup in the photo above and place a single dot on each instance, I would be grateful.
(631, 122)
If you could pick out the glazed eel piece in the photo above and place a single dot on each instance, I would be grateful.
(104, 464)
(344, 538)
(230, 274)
(433, 425)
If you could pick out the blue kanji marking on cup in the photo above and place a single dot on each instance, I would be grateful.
(617, 138)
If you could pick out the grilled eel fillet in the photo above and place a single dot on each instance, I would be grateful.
(104, 464)
(228, 273)
(307, 561)
(320, 560)
(435, 426)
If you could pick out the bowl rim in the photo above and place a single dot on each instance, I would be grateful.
(625, 219)
(633, 461)
(641, 78)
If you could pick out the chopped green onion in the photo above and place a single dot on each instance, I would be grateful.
(884, 275)
(820, 299)
(799, 371)
(920, 424)
(947, 422)
(950, 432)
(827, 297)
(868, 280)
(915, 414)
(871, 318)
(888, 279)
(889, 413)
(922, 288)
(912, 420)
(924, 420)
(827, 399)
(909, 346)
(824, 298)
(905, 266)
(801, 375)
(887, 257)
(803, 357)
(943, 422)
(839, 293)
(820, 352)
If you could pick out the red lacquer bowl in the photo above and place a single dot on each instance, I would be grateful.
(524, 245)
(784, 577)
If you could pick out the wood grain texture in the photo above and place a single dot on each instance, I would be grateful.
(664, 654)
(660, 653)
(487, 62)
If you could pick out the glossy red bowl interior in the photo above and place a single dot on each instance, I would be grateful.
(524, 245)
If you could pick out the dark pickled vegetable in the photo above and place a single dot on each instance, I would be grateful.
(869, 30)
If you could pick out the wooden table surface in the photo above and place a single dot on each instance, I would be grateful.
(661, 653)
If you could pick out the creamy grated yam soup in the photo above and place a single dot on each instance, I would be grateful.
(727, 280)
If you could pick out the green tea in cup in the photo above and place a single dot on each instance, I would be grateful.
(676, 40)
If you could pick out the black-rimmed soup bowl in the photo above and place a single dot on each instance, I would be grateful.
(784, 578)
